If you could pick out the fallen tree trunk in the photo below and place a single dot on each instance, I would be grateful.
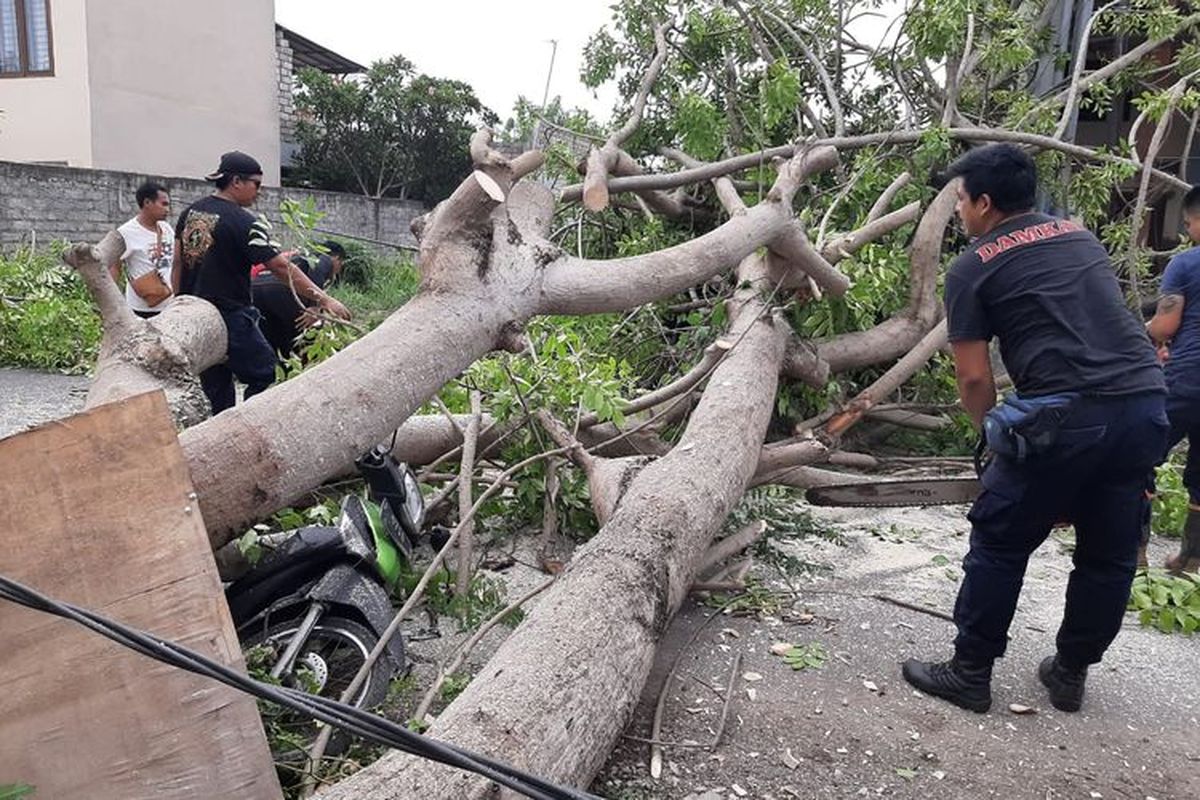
(486, 269)
(166, 352)
(555, 697)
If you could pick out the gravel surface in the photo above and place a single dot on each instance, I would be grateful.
(854, 728)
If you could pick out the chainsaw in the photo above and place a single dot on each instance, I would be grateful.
(897, 493)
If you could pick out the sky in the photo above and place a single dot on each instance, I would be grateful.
(500, 47)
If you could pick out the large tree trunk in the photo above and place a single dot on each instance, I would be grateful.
(557, 694)
(486, 270)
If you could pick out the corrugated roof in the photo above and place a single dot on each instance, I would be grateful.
(307, 53)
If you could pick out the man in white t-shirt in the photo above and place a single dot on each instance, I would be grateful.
(149, 250)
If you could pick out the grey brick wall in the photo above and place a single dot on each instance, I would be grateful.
(43, 203)
(287, 108)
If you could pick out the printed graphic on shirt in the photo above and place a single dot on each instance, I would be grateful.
(161, 253)
(197, 236)
(1029, 235)
(260, 233)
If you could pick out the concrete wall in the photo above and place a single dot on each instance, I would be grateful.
(46, 203)
(175, 83)
(49, 118)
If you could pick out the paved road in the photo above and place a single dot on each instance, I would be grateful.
(29, 397)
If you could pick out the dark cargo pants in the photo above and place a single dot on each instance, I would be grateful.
(249, 358)
(1095, 476)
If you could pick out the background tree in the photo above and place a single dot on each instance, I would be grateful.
(389, 133)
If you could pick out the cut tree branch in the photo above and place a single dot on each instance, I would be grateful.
(601, 161)
(466, 539)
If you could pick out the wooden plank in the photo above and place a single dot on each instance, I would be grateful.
(98, 510)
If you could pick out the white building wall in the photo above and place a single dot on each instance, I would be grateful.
(48, 118)
(173, 84)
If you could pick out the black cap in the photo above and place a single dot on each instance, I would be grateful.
(235, 162)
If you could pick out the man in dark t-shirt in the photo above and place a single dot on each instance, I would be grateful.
(283, 315)
(1177, 322)
(1045, 289)
(217, 242)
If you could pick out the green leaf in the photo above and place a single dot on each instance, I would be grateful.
(13, 791)
(1166, 620)
(906, 772)
(700, 126)
(940, 560)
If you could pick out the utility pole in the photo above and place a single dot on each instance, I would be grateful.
(549, 73)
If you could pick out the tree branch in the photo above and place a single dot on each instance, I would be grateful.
(466, 539)
(850, 243)
(600, 161)
(727, 166)
(582, 286)
(831, 94)
(889, 194)
(795, 254)
(1074, 89)
(890, 381)
(701, 370)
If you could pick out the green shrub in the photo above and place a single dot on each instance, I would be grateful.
(47, 320)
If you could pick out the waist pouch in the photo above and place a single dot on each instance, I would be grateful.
(1022, 428)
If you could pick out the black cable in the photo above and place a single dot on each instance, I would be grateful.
(354, 720)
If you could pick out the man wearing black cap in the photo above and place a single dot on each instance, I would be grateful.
(217, 242)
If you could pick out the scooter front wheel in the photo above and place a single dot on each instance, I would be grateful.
(325, 665)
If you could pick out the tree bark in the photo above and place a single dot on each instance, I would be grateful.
(486, 269)
(556, 696)
(136, 355)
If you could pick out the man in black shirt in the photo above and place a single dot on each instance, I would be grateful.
(283, 317)
(1045, 288)
(217, 242)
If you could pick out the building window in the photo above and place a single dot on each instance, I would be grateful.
(25, 41)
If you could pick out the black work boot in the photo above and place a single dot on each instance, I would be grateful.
(966, 684)
(1065, 683)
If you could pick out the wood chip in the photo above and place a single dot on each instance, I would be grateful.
(870, 686)
(751, 676)
(1017, 708)
(789, 760)
(739, 791)
(782, 648)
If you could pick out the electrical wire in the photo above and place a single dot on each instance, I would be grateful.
(353, 720)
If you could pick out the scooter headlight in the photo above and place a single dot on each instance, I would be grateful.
(414, 501)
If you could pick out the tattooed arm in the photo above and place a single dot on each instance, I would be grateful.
(1166, 318)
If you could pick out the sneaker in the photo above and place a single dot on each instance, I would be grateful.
(1065, 683)
(965, 684)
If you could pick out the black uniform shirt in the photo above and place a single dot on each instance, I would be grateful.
(1046, 289)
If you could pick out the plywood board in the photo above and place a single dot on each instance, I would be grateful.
(98, 510)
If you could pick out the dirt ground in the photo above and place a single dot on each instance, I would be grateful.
(854, 728)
